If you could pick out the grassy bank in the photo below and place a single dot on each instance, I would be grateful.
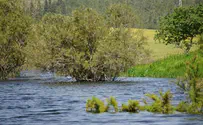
(160, 50)
(170, 67)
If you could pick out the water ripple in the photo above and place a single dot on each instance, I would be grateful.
(34, 102)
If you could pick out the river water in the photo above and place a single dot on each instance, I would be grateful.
(42, 102)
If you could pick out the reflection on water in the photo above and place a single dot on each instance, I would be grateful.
(41, 102)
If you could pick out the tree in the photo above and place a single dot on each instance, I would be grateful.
(14, 28)
(121, 15)
(96, 52)
(180, 3)
(83, 46)
(181, 27)
(44, 43)
(46, 6)
(39, 9)
(79, 48)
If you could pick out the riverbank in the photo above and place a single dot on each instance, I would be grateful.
(170, 67)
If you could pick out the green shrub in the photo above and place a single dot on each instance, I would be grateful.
(112, 102)
(195, 108)
(160, 104)
(190, 108)
(14, 29)
(85, 51)
(192, 84)
(182, 107)
(133, 106)
(95, 105)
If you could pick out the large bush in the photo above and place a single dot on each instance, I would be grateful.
(45, 42)
(14, 28)
(97, 52)
(84, 46)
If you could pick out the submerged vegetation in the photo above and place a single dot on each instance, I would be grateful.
(112, 103)
(95, 105)
(192, 83)
(160, 104)
(132, 106)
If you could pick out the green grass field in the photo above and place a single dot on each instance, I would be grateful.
(160, 50)
(167, 61)
(170, 67)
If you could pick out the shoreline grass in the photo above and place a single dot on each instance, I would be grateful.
(170, 67)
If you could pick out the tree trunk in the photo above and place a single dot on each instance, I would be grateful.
(180, 4)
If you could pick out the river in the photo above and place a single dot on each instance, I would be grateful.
(41, 102)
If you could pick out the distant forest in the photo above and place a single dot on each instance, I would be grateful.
(148, 11)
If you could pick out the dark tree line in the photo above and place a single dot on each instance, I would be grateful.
(149, 11)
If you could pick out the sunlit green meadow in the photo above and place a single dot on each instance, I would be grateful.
(159, 50)
(167, 61)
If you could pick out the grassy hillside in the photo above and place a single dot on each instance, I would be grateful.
(170, 67)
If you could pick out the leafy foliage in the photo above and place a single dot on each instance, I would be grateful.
(95, 105)
(182, 106)
(121, 15)
(193, 85)
(45, 41)
(150, 12)
(181, 27)
(200, 42)
(79, 48)
(190, 108)
(161, 104)
(132, 106)
(14, 28)
(83, 46)
(112, 102)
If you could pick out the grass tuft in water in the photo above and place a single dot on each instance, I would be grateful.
(161, 104)
(112, 102)
(182, 106)
(133, 106)
(95, 105)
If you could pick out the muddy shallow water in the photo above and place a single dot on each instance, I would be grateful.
(41, 102)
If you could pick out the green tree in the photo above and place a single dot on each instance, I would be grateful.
(88, 29)
(39, 9)
(121, 15)
(14, 28)
(83, 46)
(96, 52)
(46, 6)
(44, 43)
(181, 27)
